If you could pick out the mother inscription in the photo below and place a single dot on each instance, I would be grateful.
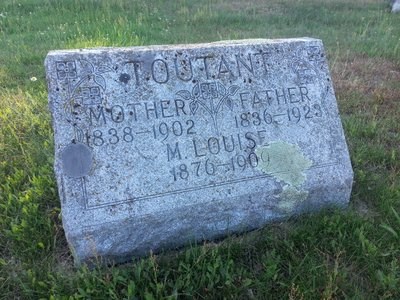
(157, 146)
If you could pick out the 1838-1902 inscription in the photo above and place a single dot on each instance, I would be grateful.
(151, 131)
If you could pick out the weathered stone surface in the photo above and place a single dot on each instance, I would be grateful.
(159, 146)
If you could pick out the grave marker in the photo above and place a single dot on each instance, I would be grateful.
(158, 146)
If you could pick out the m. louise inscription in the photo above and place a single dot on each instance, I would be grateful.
(157, 146)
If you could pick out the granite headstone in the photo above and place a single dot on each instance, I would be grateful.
(159, 146)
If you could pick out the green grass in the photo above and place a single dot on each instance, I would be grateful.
(332, 254)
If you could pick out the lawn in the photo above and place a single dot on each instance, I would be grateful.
(352, 253)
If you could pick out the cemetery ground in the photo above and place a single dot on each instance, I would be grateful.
(333, 254)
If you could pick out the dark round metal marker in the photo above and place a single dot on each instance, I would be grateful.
(76, 160)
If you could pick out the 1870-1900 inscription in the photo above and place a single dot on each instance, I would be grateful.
(166, 144)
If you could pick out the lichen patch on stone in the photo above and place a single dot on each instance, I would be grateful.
(284, 161)
(290, 197)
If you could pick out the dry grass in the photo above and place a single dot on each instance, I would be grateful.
(276, 6)
(367, 75)
(374, 80)
(259, 7)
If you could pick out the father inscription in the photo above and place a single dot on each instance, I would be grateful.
(157, 146)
